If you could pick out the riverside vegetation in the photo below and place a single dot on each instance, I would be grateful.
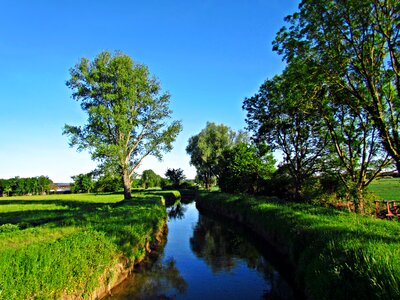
(68, 245)
(334, 254)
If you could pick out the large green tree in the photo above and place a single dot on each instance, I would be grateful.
(355, 46)
(175, 176)
(245, 169)
(358, 155)
(150, 179)
(127, 113)
(281, 116)
(83, 183)
(206, 149)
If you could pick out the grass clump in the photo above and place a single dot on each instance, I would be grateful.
(336, 254)
(52, 246)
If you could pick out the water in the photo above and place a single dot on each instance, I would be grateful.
(205, 259)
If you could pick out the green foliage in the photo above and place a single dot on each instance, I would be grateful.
(150, 179)
(83, 183)
(24, 186)
(175, 176)
(351, 47)
(206, 148)
(281, 116)
(108, 181)
(242, 170)
(66, 244)
(336, 254)
(127, 113)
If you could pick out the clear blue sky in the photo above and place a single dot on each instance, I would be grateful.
(209, 55)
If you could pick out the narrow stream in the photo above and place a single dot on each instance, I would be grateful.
(205, 259)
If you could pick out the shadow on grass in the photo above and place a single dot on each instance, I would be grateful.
(80, 213)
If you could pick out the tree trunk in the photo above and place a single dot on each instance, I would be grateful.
(127, 185)
(298, 193)
(359, 201)
(398, 167)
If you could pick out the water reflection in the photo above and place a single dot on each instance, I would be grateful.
(204, 259)
(177, 211)
(160, 281)
(223, 246)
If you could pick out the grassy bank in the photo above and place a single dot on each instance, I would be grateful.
(335, 254)
(57, 245)
(170, 196)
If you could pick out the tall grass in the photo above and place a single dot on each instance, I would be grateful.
(336, 254)
(58, 245)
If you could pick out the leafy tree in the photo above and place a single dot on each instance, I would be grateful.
(108, 182)
(83, 183)
(206, 149)
(150, 179)
(43, 184)
(24, 186)
(5, 187)
(127, 113)
(175, 176)
(281, 116)
(360, 156)
(355, 46)
(244, 170)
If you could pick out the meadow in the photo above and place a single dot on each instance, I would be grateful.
(386, 188)
(334, 254)
(68, 245)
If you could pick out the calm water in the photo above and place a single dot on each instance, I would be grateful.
(204, 259)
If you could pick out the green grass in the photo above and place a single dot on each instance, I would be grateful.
(386, 188)
(170, 196)
(58, 245)
(336, 254)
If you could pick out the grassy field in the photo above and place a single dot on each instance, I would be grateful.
(386, 188)
(57, 245)
(336, 254)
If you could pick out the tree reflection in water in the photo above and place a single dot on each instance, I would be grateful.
(234, 268)
(177, 211)
(223, 246)
(162, 281)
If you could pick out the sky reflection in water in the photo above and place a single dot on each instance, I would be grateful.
(204, 259)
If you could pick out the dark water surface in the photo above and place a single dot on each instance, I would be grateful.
(205, 259)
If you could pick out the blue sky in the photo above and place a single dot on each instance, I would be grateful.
(209, 55)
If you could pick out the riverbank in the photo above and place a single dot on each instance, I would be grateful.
(334, 254)
(74, 246)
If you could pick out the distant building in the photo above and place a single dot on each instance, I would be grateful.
(60, 188)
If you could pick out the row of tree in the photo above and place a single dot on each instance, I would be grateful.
(333, 112)
(25, 186)
(111, 182)
(227, 158)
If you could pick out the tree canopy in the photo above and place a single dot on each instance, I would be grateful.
(127, 113)
(206, 149)
(244, 170)
(282, 116)
(175, 176)
(352, 46)
(335, 108)
(150, 179)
